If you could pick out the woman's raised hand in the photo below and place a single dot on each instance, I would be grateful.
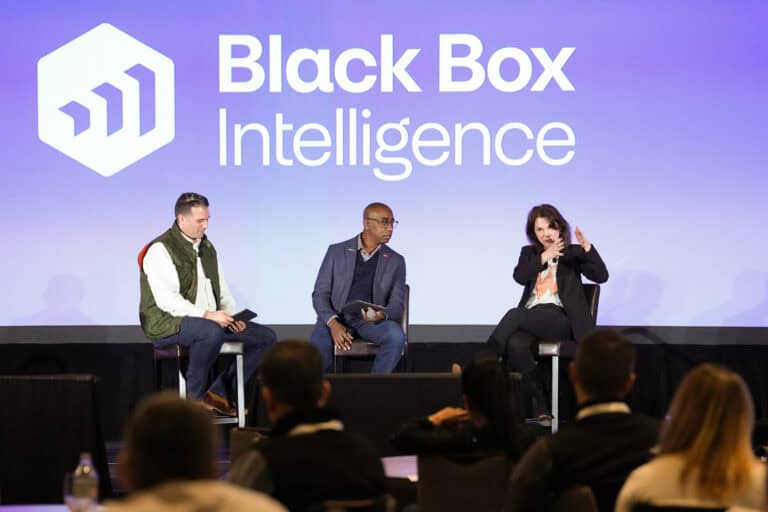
(586, 244)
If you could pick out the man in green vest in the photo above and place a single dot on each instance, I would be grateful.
(185, 300)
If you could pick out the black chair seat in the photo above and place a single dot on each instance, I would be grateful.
(647, 507)
(446, 485)
(359, 348)
(170, 352)
(383, 503)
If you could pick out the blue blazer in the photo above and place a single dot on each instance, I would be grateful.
(334, 280)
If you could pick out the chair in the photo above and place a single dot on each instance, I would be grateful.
(179, 352)
(48, 420)
(449, 486)
(575, 499)
(566, 348)
(362, 349)
(647, 507)
(385, 503)
(241, 440)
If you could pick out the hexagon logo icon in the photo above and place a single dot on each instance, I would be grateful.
(105, 99)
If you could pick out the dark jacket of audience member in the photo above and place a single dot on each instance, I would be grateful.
(489, 423)
(605, 443)
(309, 458)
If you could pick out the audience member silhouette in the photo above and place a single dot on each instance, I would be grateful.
(309, 458)
(167, 462)
(605, 443)
(488, 423)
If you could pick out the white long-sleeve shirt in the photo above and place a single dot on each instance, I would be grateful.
(164, 283)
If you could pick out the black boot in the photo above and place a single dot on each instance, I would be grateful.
(533, 384)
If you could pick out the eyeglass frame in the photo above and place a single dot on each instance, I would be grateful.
(385, 222)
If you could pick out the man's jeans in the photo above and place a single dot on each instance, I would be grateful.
(387, 334)
(204, 338)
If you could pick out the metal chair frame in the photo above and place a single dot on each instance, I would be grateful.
(566, 348)
(178, 352)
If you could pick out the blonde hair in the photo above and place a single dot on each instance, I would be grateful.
(709, 425)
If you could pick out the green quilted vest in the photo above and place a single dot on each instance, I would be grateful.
(156, 322)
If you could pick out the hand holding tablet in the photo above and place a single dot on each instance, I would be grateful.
(244, 315)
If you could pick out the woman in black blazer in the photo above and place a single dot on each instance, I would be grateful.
(553, 305)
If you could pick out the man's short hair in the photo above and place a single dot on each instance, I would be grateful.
(293, 372)
(604, 362)
(374, 206)
(187, 201)
(168, 438)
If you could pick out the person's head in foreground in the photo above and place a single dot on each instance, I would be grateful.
(604, 367)
(709, 424)
(168, 462)
(167, 439)
(292, 378)
(485, 386)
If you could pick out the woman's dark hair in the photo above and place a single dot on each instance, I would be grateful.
(486, 386)
(556, 221)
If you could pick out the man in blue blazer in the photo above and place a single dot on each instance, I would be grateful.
(362, 268)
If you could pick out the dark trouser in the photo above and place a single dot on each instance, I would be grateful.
(520, 327)
(204, 338)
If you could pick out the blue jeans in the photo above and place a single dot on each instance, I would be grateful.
(387, 334)
(204, 338)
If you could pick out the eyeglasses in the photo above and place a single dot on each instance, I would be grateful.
(384, 222)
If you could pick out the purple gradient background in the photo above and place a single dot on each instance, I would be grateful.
(668, 179)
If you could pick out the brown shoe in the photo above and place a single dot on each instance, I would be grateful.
(219, 404)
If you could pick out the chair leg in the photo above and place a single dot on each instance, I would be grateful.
(336, 364)
(555, 392)
(240, 391)
(182, 379)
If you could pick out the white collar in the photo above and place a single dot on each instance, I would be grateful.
(603, 408)
(361, 248)
(311, 428)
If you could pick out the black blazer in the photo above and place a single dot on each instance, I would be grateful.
(571, 265)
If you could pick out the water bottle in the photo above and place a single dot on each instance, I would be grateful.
(83, 493)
